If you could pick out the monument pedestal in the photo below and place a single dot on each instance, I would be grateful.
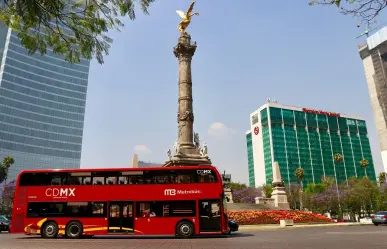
(228, 194)
(280, 198)
(187, 160)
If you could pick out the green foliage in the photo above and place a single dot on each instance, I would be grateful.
(7, 162)
(70, 28)
(382, 177)
(237, 186)
(356, 196)
(314, 188)
(299, 173)
(267, 190)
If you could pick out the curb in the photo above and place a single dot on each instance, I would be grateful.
(276, 226)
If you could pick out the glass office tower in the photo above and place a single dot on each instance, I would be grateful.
(309, 139)
(42, 107)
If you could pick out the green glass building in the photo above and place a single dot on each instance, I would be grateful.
(309, 139)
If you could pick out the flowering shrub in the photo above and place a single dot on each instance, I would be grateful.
(245, 195)
(273, 217)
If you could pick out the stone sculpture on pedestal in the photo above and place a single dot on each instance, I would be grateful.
(279, 194)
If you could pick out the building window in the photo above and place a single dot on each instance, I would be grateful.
(384, 57)
(254, 119)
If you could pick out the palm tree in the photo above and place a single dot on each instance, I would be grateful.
(4, 167)
(382, 177)
(299, 173)
(364, 164)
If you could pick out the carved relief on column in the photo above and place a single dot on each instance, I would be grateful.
(184, 50)
(187, 116)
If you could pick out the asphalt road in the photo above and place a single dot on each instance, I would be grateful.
(354, 237)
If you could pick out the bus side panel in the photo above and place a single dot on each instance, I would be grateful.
(19, 210)
(163, 225)
(91, 226)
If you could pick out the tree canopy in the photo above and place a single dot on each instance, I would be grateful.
(367, 10)
(73, 28)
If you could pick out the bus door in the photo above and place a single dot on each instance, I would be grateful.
(121, 217)
(210, 216)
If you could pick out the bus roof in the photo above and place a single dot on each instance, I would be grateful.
(114, 169)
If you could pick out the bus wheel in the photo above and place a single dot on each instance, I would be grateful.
(50, 230)
(185, 229)
(74, 230)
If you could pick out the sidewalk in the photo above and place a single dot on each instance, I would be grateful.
(277, 226)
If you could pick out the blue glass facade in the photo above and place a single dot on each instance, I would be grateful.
(42, 107)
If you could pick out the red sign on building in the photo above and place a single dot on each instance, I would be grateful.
(256, 130)
(321, 112)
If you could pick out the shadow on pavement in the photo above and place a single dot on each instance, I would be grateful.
(235, 235)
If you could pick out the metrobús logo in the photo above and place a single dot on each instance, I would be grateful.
(181, 192)
(60, 192)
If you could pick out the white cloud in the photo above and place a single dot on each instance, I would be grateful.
(143, 149)
(219, 129)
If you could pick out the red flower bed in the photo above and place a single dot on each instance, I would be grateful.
(273, 217)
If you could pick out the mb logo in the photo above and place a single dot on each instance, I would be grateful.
(170, 192)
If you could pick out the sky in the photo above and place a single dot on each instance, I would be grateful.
(247, 52)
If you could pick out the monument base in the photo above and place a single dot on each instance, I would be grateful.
(188, 155)
(280, 198)
(187, 160)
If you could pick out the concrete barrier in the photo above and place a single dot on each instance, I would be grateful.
(286, 223)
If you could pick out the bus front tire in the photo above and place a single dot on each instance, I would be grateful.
(50, 230)
(185, 229)
(74, 230)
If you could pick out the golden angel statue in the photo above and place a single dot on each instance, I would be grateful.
(186, 18)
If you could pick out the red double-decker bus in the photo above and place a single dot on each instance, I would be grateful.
(182, 201)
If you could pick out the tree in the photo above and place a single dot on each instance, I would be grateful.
(367, 10)
(364, 164)
(7, 195)
(246, 195)
(71, 28)
(362, 194)
(267, 190)
(381, 200)
(293, 194)
(382, 178)
(4, 167)
(237, 186)
(299, 173)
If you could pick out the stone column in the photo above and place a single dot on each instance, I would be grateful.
(187, 153)
(184, 51)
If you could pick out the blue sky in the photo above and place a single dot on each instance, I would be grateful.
(247, 51)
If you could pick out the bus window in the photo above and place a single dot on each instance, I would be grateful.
(45, 209)
(69, 209)
(111, 180)
(122, 180)
(182, 208)
(98, 180)
(86, 180)
(74, 180)
(98, 209)
(77, 209)
(56, 180)
(143, 209)
(36, 179)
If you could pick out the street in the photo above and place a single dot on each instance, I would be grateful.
(354, 237)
